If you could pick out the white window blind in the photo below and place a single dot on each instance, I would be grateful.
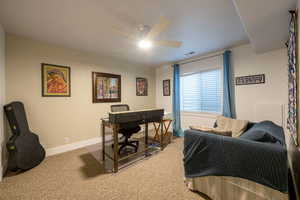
(202, 91)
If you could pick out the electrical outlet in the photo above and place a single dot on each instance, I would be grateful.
(67, 140)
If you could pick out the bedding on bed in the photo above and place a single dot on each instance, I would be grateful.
(262, 159)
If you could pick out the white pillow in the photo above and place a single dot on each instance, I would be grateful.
(237, 127)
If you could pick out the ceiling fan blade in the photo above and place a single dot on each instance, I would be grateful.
(124, 33)
(168, 43)
(158, 28)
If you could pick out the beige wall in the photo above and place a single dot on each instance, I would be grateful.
(2, 98)
(163, 73)
(75, 117)
(253, 102)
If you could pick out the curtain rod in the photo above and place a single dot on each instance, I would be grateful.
(203, 58)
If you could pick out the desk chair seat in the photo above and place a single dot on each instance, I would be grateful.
(127, 130)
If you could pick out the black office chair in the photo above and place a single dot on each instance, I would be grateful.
(127, 130)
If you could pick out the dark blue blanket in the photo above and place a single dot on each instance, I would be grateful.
(260, 155)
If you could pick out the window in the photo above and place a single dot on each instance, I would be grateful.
(202, 91)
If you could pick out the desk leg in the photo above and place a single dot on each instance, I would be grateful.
(116, 148)
(156, 136)
(103, 141)
(166, 131)
(161, 135)
(146, 139)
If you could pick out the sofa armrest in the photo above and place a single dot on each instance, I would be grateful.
(210, 154)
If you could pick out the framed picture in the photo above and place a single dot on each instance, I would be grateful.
(250, 80)
(166, 87)
(56, 80)
(141, 87)
(106, 87)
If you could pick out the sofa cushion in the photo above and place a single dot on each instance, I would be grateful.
(259, 135)
(237, 127)
(212, 130)
(265, 131)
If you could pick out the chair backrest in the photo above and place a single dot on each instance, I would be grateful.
(119, 108)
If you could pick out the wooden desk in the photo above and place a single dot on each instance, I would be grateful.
(116, 158)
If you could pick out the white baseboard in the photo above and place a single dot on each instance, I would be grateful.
(73, 146)
(78, 145)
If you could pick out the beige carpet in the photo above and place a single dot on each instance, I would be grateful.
(78, 175)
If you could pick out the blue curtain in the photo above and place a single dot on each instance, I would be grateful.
(228, 101)
(177, 131)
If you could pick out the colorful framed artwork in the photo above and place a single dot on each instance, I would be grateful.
(106, 87)
(56, 80)
(141, 87)
(166, 87)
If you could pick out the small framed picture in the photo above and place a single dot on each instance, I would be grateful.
(106, 87)
(250, 80)
(56, 80)
(141, 87)
(166, 87)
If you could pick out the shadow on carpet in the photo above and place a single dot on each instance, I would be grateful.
(92, 168)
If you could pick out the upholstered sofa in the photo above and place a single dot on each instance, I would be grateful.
(252, 166)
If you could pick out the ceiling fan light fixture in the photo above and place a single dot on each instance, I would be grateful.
(145, 44)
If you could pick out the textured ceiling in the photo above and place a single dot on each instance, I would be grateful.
(266, 23)
(202, 25)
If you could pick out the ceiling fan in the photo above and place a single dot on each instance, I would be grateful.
(145, 36)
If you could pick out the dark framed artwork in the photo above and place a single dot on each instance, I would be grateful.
(250, 80)
(166, 87)
(106, 87)
(56, 80)
(141, 87)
